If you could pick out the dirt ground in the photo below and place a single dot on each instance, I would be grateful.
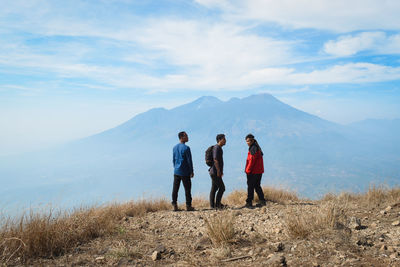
(262, 237)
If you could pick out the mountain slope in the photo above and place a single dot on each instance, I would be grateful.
(302, 152)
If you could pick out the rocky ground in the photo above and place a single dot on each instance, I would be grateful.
(262, 237)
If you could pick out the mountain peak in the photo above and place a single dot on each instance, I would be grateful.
(206, 101)
(261, 97)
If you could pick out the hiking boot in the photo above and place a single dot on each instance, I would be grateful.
(175, 207)
(221, 207)
(261, 204)
(190, 208)
(248, 206)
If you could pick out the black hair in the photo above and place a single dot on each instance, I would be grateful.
(220, 137)
(181, 134)
(249, 136)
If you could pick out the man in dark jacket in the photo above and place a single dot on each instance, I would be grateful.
(254, 170)
(216, 173)
(183, 171)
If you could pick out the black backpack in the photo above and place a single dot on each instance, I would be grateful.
(209, 156)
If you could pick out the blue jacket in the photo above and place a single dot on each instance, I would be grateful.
(182, 160)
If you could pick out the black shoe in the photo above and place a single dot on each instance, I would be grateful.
(261, 204)
(248, 206)
(190, 208)
(221, 207)
(175, 207)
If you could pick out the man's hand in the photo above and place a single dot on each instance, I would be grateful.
(191, 176)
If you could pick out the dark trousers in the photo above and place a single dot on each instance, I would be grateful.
(217, 187)
(187, 184)
(254, 183)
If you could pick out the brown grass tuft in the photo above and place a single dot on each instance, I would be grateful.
(376, 196)
(52, 234)
(301, 223)
(220, 229)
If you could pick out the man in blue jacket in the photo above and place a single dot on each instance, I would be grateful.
(183, 171)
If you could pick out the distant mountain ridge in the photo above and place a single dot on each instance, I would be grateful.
(302, 152)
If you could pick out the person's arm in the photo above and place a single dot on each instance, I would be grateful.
(251, 159)
(173, 157)
(189, 161)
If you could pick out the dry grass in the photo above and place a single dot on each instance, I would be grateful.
(301, 223)
(220, 229)
(376, 196)
(200, 202)
(52, 234)
(282, 196)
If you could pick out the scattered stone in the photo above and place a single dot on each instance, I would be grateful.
(278, 230)
(161, 248)
(391, 249)
(355, 223)
(374, 225)
(237, 213)
(396, 223)
(251, 252)
(383, 212)
(364, 241)
(156, 255)
(383, 247)
(276, 261)
(278, 247)
(258, 250)
(101, 258)
(264, 210)
(388, 208)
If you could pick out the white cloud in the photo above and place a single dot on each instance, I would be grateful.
(376, 42)
(214, 3)
(338, 15)
(349, 73)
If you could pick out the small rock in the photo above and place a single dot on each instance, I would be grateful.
(396, 223)
(264, 210)
(383, 247)
(156, 255)
(277, 247)
(364, 241)
(383, 212)
(160, 248)
(374, 225)
(237, 213)
(101, 258)
(276, 261)
(394, 255)
(258, 250)
(251, 229)
(388, 208)
(391, 249)
(355, 223)
(278, 230)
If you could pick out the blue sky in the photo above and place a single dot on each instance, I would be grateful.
(69, 69)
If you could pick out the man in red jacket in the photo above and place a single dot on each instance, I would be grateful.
(254, 170)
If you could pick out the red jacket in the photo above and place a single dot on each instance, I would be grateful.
(254, 162)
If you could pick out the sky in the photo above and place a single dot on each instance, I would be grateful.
(70, 69)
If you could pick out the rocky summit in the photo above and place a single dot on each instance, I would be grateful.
(338, 230)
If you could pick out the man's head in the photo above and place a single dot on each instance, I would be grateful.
(221, 141)
(183, 137)
(249, 139)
